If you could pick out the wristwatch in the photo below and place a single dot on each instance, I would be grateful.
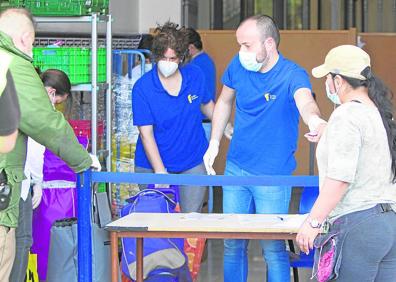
(314, 223)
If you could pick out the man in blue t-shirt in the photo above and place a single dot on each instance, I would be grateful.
(270, 92)
(201, 59)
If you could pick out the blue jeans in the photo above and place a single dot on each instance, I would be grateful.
(191, 197)
(250, 200)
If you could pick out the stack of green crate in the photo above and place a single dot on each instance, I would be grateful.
(66, 7)
(4, 4)
(74, 61)
(102, 64)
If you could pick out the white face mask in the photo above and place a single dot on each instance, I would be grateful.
(249, 62)
(148, 67)
(332, 96)
(167, 68)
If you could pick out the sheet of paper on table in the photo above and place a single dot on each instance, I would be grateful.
(290, 220)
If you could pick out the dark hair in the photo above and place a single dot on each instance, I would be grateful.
(382, 96)
(146, 43)
(266, 26)
(170, 35)
(194, 38)
(58, 80)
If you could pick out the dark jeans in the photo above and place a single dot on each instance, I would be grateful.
(369, 247)
(23, 237)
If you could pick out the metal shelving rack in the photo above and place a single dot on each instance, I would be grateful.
(94, 87)
(84, 226)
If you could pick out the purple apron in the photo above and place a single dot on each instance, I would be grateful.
(59, 201)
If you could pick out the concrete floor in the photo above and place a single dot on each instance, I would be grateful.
(212, 266)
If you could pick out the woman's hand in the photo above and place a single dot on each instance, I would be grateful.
(314, 136)
(306, 236)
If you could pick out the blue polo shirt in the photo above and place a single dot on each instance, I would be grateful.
(266, 117)
(176, 121)
(206, 64)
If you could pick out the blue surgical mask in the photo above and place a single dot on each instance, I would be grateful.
(248, 61)
(332, 96)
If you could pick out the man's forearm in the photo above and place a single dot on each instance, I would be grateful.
(309, 110)
(221, 115)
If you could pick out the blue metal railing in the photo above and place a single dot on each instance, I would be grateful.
(86, 179)
(117, 60)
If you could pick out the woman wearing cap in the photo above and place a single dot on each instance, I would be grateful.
(357, 170)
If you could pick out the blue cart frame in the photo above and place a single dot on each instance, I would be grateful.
(86, 179)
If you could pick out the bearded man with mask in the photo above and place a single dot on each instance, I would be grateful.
(168, 103)
(270, 92)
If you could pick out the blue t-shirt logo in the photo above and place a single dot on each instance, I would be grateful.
(191, 98)
(269, 96)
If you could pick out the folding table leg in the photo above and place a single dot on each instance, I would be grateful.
(139, 261)
(114, 256)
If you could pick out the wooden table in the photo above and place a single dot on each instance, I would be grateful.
(196, 225)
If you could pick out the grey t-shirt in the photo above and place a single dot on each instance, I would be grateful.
(354, 148)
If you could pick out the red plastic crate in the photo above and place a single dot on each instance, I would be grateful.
(83, 127)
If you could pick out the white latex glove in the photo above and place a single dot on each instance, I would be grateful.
(229, 131)
(316, 126)
(37, 195)
(210, 156)
(95, 163)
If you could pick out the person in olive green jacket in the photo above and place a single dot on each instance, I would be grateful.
(39, 120)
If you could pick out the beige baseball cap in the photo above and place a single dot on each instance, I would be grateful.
(346, 60)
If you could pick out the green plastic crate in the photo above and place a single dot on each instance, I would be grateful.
(74, 61)
(102, 64)
(11, 4)
(67, 7)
